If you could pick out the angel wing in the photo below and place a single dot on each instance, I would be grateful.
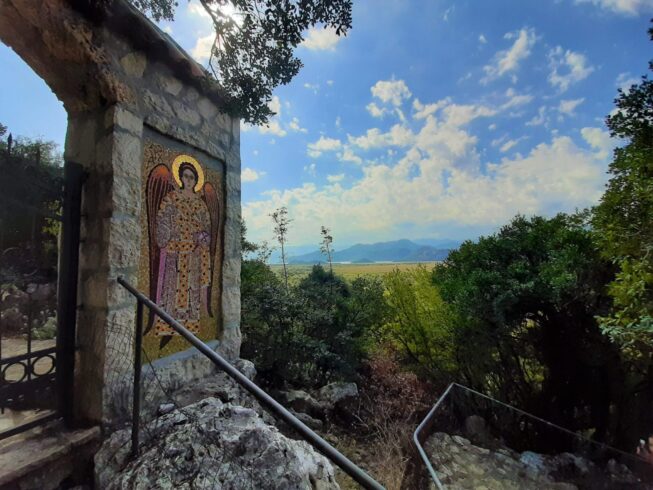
(210, 197)
(158, 186)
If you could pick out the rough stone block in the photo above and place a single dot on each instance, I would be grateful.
(80, 139)
(124, 247)
(124, 119)
(127, 153)
(207, 108)
(158, 104)
(134, 64)
(126, 196)
(186, 114)
(191, 95)
(169, 84)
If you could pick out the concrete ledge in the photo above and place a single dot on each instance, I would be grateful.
(44, 457)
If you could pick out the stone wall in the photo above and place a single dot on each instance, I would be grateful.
(113, 87)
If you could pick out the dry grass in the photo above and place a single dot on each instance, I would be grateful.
(349, 272)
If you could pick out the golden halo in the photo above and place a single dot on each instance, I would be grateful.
(188, 159)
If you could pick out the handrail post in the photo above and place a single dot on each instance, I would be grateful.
(136, 405)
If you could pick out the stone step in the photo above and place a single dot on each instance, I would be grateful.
(42, 458)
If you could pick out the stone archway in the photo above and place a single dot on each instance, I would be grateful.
(124, 83)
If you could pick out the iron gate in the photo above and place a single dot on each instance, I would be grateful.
(39, 243)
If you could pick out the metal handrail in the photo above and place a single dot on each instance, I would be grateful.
(264, 398)
(418, 436)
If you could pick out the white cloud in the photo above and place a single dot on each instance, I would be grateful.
(567, 68)
(167, 29)
(273, 127)
(568, 107)
(539, 119)
(348, 155)
(375, 110)
(434, 175)
(202, 49)
(315, 87)
(492, 127)
(397, 136)
(335, 178)
(625, 81)
(510, 144)
(321, 39)
(482, 39)
(295, 126)
(329, 83)
(626, 7)
(275, 105)
(460, 115)
(599, 140)
(323, 145)
(508, 61)
(250, 175)
(310, 169)
(422, 111)
(393, 91)
(420, 193)
(515, 99)
(195, 8)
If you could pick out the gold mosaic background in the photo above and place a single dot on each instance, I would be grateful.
(210, 328)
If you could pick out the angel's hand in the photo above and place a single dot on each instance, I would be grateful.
(203, 239)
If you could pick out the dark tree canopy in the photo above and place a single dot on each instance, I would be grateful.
(253, 49)
(623, 221)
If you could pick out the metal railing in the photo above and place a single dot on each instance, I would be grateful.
(264, 398)
(528, 422)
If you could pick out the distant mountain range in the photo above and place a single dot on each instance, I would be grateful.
(395, 251)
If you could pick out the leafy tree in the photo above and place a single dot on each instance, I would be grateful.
(32, 178)
(624, 224)
(527, 297)
(253, 47)
(325, 246)
(420, 323)
(281, 223)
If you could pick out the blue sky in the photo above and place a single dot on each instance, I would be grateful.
(434, 119)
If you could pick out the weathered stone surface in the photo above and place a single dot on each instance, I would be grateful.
(134, 64)
(111, 90)
(212, 445)
(311, 422)
(461, 464)
(13, 320)
(159, 105)
(11, 297)
(301, 402)
(124, 119)
(207, 108)
(337, 393)
(186, 114)
(246, 367)
(169, 83)
(191, 95)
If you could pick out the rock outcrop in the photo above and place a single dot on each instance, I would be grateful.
(463, 465)
(212, 445)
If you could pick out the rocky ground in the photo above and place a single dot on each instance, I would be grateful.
(212, 445)
(214, 435)
(463, 465)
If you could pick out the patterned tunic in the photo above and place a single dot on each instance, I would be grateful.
(182, 233)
